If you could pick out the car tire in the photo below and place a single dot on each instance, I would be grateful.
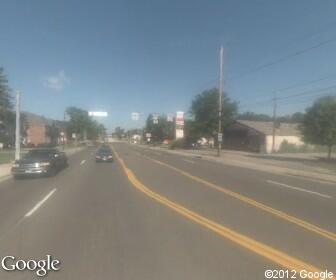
(52, 172)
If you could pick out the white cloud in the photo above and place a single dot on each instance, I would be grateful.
(57, 82)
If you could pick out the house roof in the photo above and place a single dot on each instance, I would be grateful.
(36, 119)
(41, 120)
(283, 129)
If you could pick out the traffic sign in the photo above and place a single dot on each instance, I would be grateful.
(135, 116)
(220, 137)
(155, 119)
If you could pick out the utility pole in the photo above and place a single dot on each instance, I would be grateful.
(17, 127)
(274, 122)
(64, 129)
(220, 105)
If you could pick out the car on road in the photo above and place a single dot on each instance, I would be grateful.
(104, 154)
(42, 161)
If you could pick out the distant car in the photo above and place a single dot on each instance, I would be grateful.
(39, 162)
(104, 154)
(91, 144)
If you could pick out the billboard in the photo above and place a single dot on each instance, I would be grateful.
(170, 117)
(179, 133)
(98, 114)
(179, 124)
(179, 121)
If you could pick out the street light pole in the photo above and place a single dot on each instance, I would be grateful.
(17, 126)
(220, 106)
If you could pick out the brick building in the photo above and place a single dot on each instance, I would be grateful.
(37, 130)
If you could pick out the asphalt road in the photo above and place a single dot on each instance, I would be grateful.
(154, 215)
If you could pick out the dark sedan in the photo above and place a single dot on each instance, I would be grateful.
(40, 162)
(104, 154)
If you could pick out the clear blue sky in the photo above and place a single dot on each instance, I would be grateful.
(154, 56)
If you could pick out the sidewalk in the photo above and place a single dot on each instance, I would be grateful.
(6, 167)
(304, 165)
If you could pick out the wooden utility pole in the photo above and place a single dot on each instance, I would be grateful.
(17, 127)
(274, 122)
(220, 105)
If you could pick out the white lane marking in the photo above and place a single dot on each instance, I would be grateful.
(39, 204)
(188, 160)
(311, 179)
(298, 189)
(82, 162)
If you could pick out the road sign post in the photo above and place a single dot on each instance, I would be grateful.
(220, 138)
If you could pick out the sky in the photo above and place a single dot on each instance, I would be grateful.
(154, 56)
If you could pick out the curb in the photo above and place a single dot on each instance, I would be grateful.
(328, 178)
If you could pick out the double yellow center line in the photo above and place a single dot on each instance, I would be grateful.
(259, 248)
(308, 226)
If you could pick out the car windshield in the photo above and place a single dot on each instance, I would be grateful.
(104, 151)
(167, 139)
(43, 154)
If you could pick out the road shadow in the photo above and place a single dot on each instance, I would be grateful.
(316, 161)
(282, 158)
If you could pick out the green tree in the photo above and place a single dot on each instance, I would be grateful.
(319, 123)
(251, 116)
(95, 130)
(294, 118)
(204, 111)
(119, 132)
(81, 124)
(7, 116)
(79, 121)
(161, 130)
(53, 132)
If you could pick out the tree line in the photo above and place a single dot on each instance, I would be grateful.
(78, 123)
(82, 125)
(7, 114)
(317, 124)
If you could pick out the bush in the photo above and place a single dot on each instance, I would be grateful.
(179, 144)
(286, 147)
(46, 145)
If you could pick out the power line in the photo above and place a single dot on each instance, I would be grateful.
(320, 30)
(296, 85)
(283, 59)
(306, 98)
(305, 93)
(300, 94)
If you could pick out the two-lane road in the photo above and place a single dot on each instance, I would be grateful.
(138, 218)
